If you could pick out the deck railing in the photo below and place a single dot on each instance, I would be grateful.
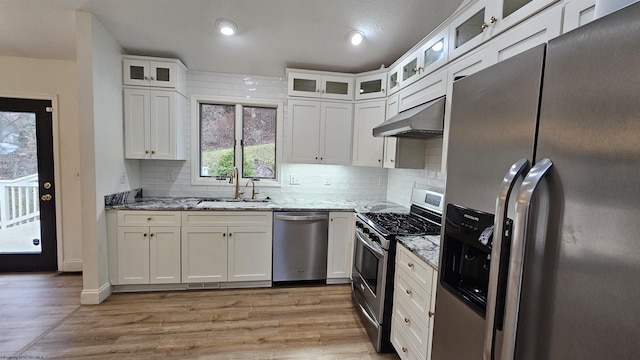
(19, 201)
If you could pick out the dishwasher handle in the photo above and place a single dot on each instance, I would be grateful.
(302, 217)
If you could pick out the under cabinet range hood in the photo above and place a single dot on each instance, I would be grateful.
(422, 121)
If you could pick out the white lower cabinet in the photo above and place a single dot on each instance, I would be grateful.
(212, 252)
(146, 252)
(339, 255)
(413, 306)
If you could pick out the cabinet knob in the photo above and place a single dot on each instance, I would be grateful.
(151, 78)
(321, 158)
(145, 234)
(146, 151)
(153, 151)
(404, 349)
(379, 160)
(149, 219)
(230, 234)
(493, 20)
(484, 26)
(406, 320)
(410, 265)
(391, 160)
(146, 78)
(382, 90)
(150, 235)
(431, 313)
(224, 235)
(408, 292)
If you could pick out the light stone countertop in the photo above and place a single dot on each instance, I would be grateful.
(422, 248)
(181, 204)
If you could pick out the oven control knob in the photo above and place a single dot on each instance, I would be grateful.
(374, 238)
(359, 224)
(365, 230)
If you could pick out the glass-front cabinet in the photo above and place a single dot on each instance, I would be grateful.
(371, 86)
(393, 80)
(320, 85)
(149, 73)
(485, 19)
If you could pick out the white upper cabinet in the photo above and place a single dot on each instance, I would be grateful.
(320, 85)
(320, 132)
(428, 57)
(367, 149)
(393, 79)
(154, 72)
(578, 13)
(485, 19)
(371, 86)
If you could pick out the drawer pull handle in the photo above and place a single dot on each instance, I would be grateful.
(407, 320)
(408, 292)
(404, 349)
(410, 265)
(431, 313)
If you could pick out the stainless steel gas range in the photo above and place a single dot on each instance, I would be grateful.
(374, 259)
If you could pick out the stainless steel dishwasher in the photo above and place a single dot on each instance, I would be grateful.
(300, 241)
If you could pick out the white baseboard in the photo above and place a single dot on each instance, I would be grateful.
(95, 296)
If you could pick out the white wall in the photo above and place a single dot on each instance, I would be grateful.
(26, 78)
(173, 178)
(101, 145)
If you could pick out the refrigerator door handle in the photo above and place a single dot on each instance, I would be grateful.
(518, 169)
(516, 261)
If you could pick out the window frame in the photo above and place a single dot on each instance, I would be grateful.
(239, 103)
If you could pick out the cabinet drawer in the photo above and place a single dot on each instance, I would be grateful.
(148, 218)
(415, 329)
(415, 298)
(227, 218)
(414, 267)
(400, 340)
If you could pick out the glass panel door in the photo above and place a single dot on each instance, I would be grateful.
(27, 197)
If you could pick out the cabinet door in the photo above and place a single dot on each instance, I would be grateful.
(337, 87)
(162, 74)
(304, 120)
(163, 125)
(133, 255)
(578, 13)
(249, 253)
(164, 258)
(390, 146)
(135, 72)
(336, 129)
(371, 86)
(432, 312)
(469, 29)
(511, 12)
(137, 123)
(204, 254)
(410, 68)
(393, 80)
(434, 53)
(367, 149)
(339, 255)
(301, 84)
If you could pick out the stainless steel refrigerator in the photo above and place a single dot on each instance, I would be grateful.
(540, 253)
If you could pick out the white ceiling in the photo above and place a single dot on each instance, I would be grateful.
(272, 34)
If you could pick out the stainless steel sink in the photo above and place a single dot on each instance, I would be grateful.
(218, 202)
(233, 200)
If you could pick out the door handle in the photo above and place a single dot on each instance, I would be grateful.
(46, 197)
(518, 169)
(47, 185)
(516, 259)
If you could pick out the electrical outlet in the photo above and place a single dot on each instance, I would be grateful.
(327, 180)
(294, 180)
(123, 177)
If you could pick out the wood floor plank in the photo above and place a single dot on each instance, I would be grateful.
(311, 322)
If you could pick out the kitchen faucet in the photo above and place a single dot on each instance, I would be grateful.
(236, 175)
(253, 188)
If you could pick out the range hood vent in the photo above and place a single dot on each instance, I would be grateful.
(422, 121)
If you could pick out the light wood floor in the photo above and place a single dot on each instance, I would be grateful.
(41, 318)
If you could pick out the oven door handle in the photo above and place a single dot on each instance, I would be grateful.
(374, 248)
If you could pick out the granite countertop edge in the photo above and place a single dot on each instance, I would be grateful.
(423, 248)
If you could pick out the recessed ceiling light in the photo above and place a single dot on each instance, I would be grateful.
(226, 26)
(355, 37)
